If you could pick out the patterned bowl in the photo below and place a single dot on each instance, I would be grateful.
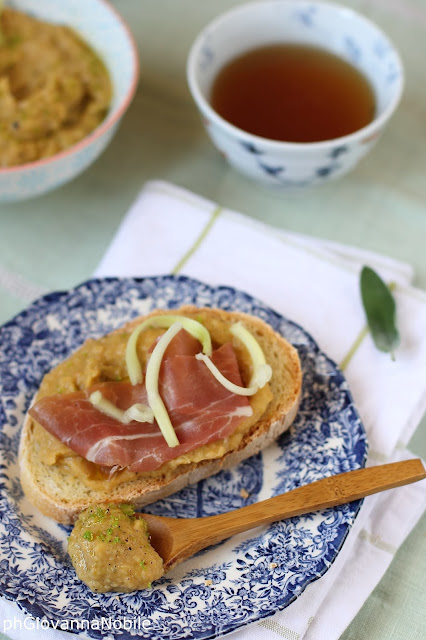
(330, 26)
(99, 25)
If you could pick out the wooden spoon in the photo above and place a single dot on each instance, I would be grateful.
(176, 539)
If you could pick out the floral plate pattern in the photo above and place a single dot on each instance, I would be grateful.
(237, 582)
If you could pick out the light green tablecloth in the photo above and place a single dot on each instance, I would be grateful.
(56, 241)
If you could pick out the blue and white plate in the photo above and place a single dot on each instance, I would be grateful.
(244, 579)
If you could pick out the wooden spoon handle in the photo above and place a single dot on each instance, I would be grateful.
(329, 492)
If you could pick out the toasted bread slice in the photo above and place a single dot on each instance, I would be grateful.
(62, 495)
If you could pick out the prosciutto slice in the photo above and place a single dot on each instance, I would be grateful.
(200, 408)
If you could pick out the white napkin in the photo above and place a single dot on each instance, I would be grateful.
(314, 283)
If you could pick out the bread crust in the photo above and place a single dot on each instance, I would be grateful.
(63, 499)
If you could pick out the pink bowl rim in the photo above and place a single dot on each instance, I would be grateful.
(109, 121)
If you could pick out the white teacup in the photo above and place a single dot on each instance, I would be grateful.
(332, 27)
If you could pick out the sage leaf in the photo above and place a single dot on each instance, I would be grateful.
(380, 309)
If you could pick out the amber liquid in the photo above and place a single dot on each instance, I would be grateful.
(293, 93)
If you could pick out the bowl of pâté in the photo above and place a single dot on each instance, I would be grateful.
(67, 76)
